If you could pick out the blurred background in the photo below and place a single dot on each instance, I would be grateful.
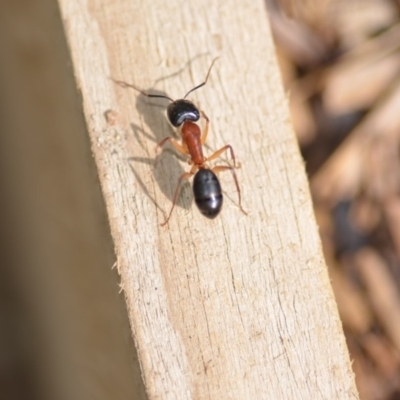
(340, 62)
(64, 331)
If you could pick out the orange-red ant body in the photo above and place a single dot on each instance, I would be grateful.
(183, 115)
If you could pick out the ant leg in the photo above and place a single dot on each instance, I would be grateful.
(205, 132)
(225, 168)
(181, 148)
(185, 175)
(220, 151)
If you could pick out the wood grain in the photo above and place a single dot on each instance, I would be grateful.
(239, 307)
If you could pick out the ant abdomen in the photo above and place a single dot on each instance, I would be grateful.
(207, 193)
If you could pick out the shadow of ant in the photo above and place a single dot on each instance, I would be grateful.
(166, 168)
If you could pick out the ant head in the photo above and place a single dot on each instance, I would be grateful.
(182, 110)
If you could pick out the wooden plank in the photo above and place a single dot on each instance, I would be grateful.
(237, 307)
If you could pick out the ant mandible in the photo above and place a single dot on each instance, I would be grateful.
(183, 115)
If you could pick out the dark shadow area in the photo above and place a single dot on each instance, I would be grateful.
(167, 166)
(64, 326)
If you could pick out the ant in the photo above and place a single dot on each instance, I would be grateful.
(183, 115)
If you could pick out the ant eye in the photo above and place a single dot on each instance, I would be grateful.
(182, 110)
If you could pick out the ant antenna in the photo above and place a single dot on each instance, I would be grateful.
(128, 85)
(205, 81)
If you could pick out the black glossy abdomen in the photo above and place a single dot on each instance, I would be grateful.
(207, 193)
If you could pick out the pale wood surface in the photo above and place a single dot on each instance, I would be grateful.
(240, 307)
